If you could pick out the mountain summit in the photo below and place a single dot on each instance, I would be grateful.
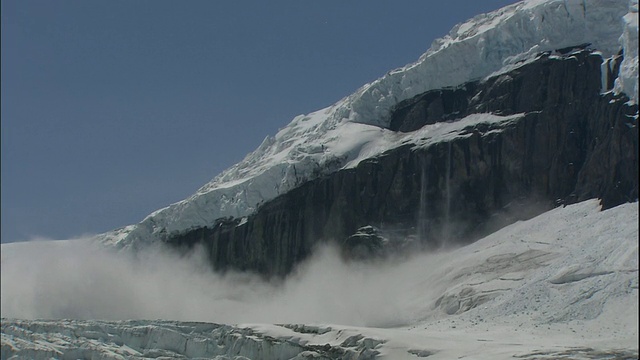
(515, 135)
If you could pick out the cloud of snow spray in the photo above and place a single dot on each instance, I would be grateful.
(577, 251)
(78, 279)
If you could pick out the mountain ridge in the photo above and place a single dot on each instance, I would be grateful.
(301, 151)
(450, 182)
(521, 182)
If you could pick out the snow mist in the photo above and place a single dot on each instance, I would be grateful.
(79, 280)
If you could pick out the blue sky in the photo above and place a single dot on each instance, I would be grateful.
(113, 109)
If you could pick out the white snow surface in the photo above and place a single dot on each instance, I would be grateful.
(561, 285)
(627, 81)
(327, 140)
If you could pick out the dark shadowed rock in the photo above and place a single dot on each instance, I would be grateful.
(366, 243)
(570, 144)
(371, 243)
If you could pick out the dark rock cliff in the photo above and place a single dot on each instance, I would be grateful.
(571, 144)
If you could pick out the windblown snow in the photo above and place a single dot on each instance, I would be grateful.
(561, 285)
(341, 134)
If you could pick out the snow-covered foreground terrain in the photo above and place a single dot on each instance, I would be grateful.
(561, 285)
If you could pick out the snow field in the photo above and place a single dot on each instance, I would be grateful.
(565, 282)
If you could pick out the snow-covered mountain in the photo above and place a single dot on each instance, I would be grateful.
(515, 135)
(356, 128)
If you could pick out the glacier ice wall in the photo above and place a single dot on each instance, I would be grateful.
(315, 144)
(627, 82)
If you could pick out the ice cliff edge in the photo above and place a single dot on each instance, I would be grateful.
(322, 142)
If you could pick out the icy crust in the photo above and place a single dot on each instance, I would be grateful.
(94, 339)
(627, 81)
(487, 43)
(312, 145)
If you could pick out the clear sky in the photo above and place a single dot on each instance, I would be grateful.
(113, 109)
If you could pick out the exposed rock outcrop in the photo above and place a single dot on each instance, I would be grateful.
(571, 143)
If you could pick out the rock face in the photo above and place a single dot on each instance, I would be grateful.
(571, 143)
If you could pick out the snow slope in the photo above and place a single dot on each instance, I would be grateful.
(329, 139)
(561, 285)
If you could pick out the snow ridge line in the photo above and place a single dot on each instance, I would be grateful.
(323, 142)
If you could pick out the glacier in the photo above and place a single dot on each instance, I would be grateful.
(561, 285)
(324, 141)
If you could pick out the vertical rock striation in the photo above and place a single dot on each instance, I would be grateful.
(571, 143)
